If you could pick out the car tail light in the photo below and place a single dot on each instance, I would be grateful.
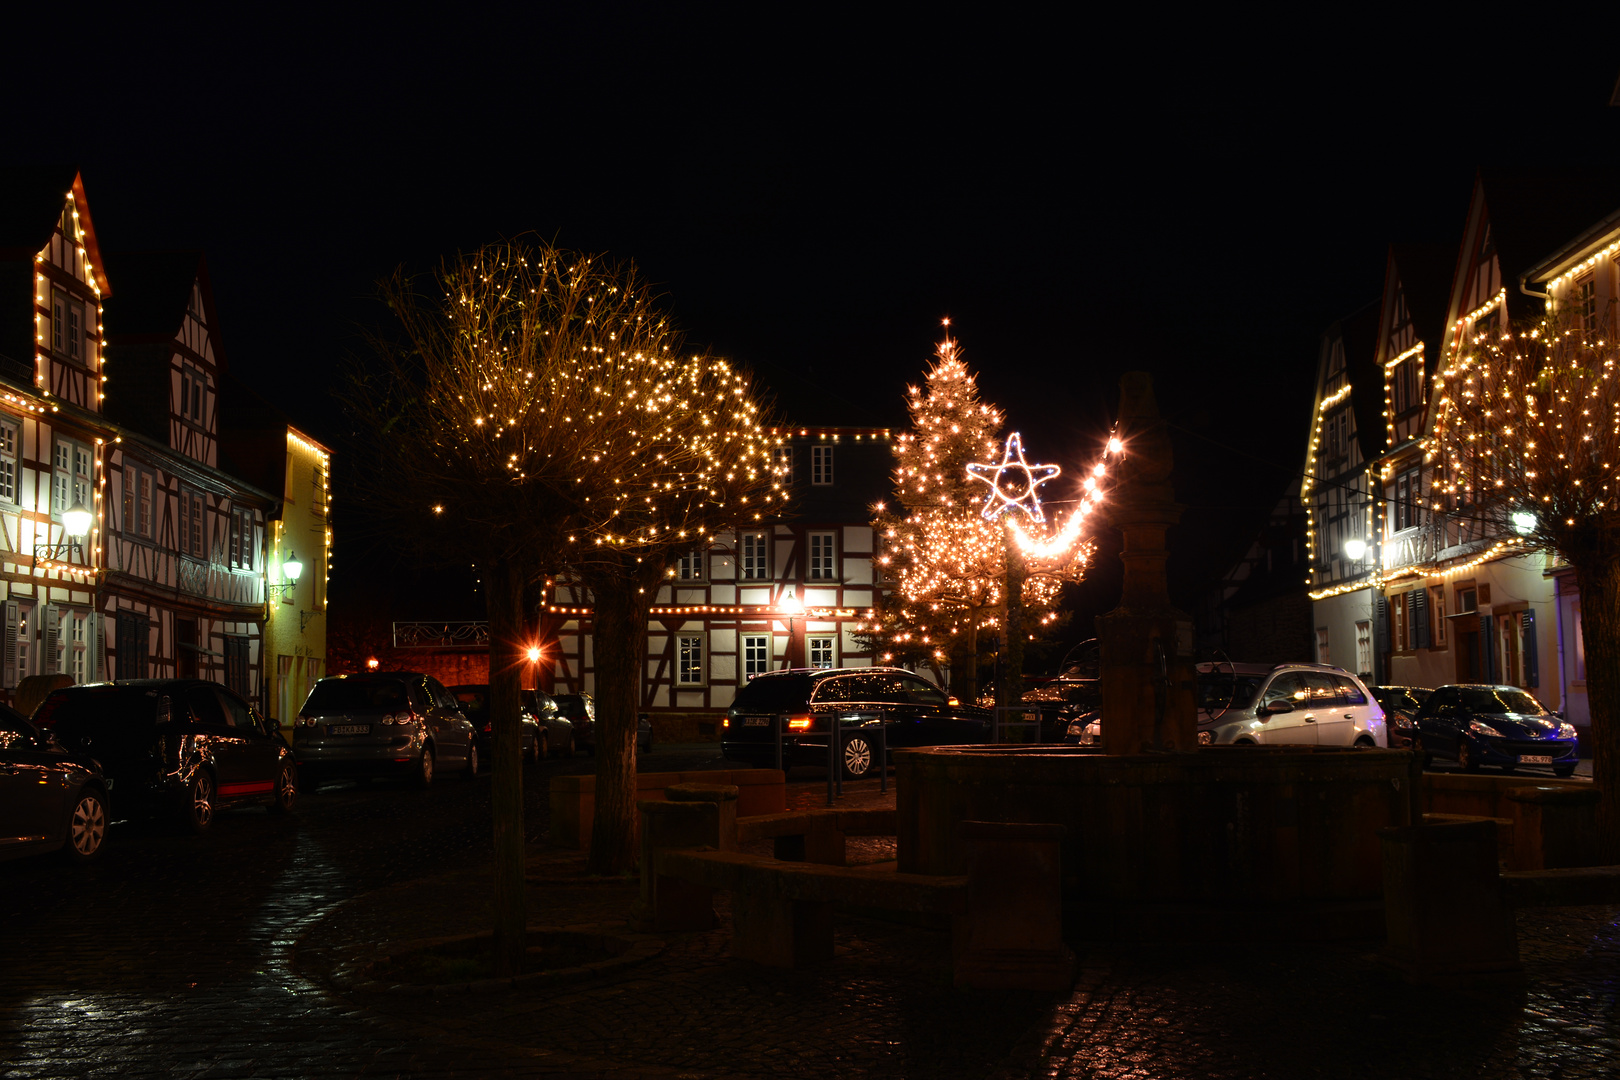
(725, 722)
(305, 720)
(798, 723)
(488, 728)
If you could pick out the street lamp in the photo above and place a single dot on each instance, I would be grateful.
(290, 569)
(534, 654)
(1524, 522)
(76, 520)
(792, 607)
(1355, 548)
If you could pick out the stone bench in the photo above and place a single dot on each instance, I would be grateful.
(815, 836)
(1005, 911)
(573, 798)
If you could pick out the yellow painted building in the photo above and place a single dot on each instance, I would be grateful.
(295, 625)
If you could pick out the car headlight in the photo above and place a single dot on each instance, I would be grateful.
(1566, 731)
(1479, 727)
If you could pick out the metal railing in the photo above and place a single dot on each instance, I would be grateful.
(468, 634)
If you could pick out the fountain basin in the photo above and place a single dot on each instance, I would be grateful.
(1277, 843)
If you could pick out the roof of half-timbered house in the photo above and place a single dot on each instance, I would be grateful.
(142, 324)
(31, 202)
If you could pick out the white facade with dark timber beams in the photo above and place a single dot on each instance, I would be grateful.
(731, 611)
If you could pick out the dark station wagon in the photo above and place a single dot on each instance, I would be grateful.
(911, 710)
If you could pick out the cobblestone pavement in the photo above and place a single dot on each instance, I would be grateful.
(214, 957)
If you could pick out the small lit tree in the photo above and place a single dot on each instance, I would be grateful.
(534, 412)
(1527, 439)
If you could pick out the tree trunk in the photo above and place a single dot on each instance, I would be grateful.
(620, 629)
(503, 594)
(1011, 691)
(1599, 581)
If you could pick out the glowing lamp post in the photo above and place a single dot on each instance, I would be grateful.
(76, 520)
(1355, 549)
(791, 607)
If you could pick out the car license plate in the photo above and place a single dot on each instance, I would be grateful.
(756, 721)
(349, 729)
(1032, 718)
(1535, 759)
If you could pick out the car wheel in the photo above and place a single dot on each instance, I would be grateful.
(1465, 756)
(471, 771)
(286, 790)
(424, 771)
(1366, 740)
(200, 801)
(1563, 772)
(857, 757)
(87, 827)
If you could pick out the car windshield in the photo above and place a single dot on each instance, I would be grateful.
(117, 719)
(774, 693)
(1219, 690)
(1401, 697)
(1501, 699)
(471, 698)
(356, 696)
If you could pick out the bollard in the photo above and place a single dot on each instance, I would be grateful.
(1012, 935)
(1444, 910)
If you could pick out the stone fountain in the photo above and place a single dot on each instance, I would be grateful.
(1166, 839)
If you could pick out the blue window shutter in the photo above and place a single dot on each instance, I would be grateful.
(1417, 605)
(1487, 651)
(1532, 669)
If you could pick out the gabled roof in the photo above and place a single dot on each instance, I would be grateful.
(1533, 212)
(31, 202)
(1359, 332)
(1425, 273)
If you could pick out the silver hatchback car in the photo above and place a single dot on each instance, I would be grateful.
(399, 723)
(1271, 704)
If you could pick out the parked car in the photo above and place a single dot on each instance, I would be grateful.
(911, 710)
(1478, 725)
(1311, 704)
(1400, 705)
(174, 746)
(399, 723)
(50, 800)
(580, 709)
(556, 730)
(1069, 709)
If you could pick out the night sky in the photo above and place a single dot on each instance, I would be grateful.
(815, 189)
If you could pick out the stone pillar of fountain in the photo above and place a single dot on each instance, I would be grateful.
(1148, 701)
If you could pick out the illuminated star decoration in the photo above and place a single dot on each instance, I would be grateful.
(1013, 482)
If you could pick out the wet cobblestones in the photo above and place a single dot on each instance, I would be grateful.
(187, 957)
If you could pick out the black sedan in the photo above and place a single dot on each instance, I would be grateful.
(805, 704)
(581, 710)
(50, 800)
(1070, 710)
(1495, 725)
(536, 739)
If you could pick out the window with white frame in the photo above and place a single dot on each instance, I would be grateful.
(689, 567)
(689, 660)
(1408, 502)
(1364, 648)
(1586, 302)
(242, 539)
(755, 561)
(821, 465)
(70, 476)
(77, 653)
(756, 655)
(821, 557)
(137, 484)
(820, 647)
(1322, 646)
(190, 525)
(1437, 616)
(8, 461)
(67, 327)
(782, 456)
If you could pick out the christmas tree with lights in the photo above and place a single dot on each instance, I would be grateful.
(944, 562)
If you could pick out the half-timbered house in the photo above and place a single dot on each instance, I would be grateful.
(1457, 601)
(52, 284)
(184, 587)
(786, 594)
